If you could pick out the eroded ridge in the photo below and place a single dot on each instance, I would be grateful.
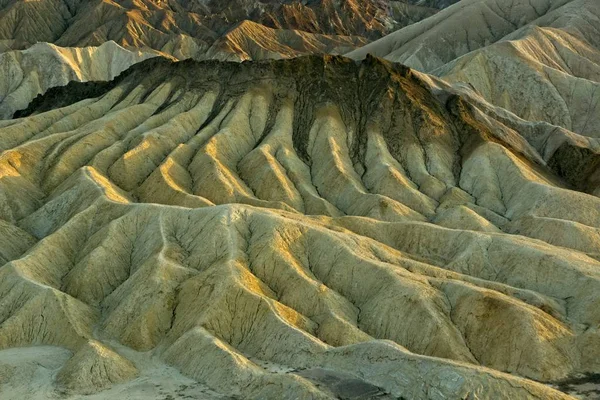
(267, 221)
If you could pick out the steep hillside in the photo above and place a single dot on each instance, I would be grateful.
(460, 29)
(186, 28)
(298, 229)
(28, 73)
(252, 41)
(538, 59)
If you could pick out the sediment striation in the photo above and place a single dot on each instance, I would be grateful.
(271, 228)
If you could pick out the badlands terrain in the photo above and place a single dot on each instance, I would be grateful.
(51, 42)
(187, 28)
(419, 224)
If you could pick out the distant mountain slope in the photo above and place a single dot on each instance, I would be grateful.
(186, 28)
(541, 74)
(252, 41)
(457, 30)
(538, 59)
(27, 73)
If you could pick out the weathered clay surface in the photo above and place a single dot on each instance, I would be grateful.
(187, 28)
(538, 59)
(28, 73)
(287, 229)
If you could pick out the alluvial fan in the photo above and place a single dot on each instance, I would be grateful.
(298, 229)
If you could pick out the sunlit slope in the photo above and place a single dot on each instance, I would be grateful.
(309, 213)
(188, 28)
(252, 41)
(28, 73)
(545, 74)
(536, 59)
(461, 28)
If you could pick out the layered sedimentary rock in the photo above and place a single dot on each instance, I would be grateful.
(295, 228)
